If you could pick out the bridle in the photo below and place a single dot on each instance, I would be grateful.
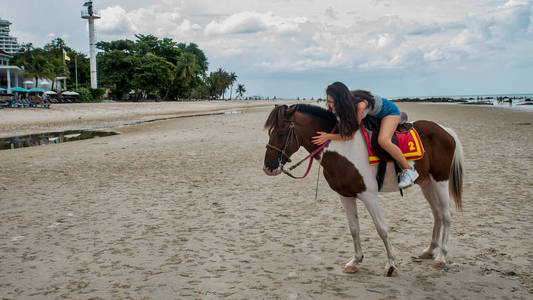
(290, 134)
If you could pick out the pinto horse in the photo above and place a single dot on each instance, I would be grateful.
(348, 172)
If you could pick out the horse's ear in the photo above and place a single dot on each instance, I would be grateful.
(291, 110)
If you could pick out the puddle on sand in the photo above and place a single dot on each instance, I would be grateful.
(50, 138)
(76, 135)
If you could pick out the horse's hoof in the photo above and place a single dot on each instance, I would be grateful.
(438, 264)
(391, 272)
(426, 255)
(350, 269)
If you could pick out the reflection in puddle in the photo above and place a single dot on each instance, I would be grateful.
(75, 135)
(50, 138)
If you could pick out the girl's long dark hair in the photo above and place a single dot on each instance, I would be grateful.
(346, 106)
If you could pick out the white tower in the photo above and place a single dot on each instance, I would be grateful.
(90, 15)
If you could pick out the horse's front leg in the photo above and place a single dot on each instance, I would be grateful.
(350, 206)
(372, 205)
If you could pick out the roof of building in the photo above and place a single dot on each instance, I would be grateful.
(4, 22)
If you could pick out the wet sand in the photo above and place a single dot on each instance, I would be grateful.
(61, 117)
(180, 209)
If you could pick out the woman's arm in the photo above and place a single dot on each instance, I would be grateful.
(323, 137)
(361, 106)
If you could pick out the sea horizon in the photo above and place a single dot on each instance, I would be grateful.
(459, 96)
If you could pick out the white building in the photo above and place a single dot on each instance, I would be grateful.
(10, 76)
(7, 43)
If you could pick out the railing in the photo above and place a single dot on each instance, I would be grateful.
(85, 15)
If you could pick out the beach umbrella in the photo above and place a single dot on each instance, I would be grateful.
(18, 89)
(70, 94)
(37, 90)
(50, 93)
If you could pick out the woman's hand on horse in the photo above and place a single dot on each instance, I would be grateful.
(321, 138)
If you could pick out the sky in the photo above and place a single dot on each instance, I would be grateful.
(296, 48)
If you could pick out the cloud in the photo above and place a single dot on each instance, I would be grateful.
(349, 36)
(114, 20)
(506, 24)
(248, 22)
(160, 19)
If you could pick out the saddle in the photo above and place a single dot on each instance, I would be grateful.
(405, 137)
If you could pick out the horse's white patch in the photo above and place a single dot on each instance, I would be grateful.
(354, 150)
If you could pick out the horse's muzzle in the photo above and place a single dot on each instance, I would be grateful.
(270, 172)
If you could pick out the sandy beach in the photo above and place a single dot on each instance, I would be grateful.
(181, 209)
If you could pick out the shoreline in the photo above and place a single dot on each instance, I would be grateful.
(96, 116)
(112, 115)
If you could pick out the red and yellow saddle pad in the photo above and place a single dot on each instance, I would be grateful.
(409, 142)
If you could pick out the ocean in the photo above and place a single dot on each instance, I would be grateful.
(515, 101)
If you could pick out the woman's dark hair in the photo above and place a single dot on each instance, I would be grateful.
(346, 106)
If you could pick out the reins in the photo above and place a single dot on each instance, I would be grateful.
(310, 156)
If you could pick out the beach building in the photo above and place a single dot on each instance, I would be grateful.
(8, 43)
(10, 76)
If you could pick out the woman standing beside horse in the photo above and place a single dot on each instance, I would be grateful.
(350, 109)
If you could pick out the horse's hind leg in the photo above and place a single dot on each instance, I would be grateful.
(437, 195)
(372, 205)
(429, 187)
(350, 206)
(446, 216)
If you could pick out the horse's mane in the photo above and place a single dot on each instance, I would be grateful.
(316, 111)
(277, 114)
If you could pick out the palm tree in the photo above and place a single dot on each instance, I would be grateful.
(232, 78)
(56, 68)
(219, 82)
(223, 81)
(186, 69)
(240, 90)
(38, 68)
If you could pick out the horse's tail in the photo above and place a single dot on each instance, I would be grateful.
(456, 172)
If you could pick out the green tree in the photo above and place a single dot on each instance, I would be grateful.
(126, 46)
(201, 59)
(37, 68)
(79, 63)
(186, 70)
(169, 50)
(240, 90)
(146, 44)
(55, 68)
(115, 70)
(121, 62)
(218, 82)
(152, 74)
(24, 57)
(56, 47)
(232, 78)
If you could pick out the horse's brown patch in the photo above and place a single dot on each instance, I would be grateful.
(341, 175)
(439, 148)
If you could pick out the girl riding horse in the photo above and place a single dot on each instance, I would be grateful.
(350, 109)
